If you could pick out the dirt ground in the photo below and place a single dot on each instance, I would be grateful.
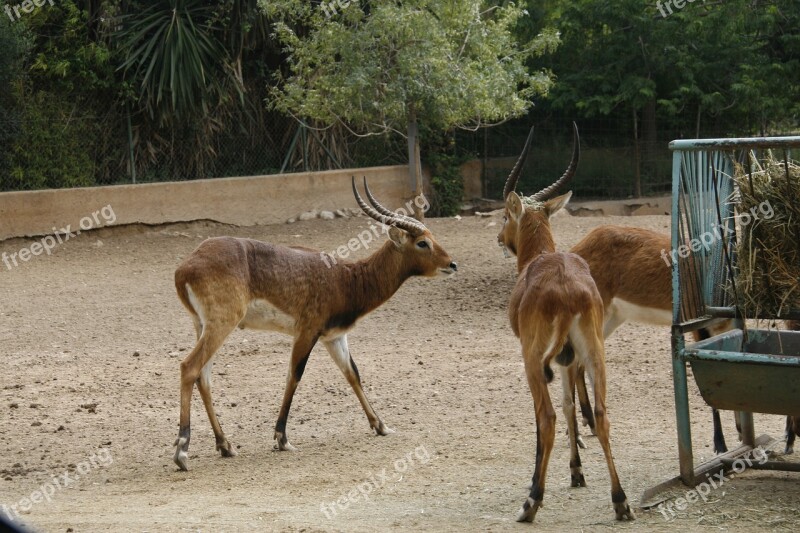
(93, 335)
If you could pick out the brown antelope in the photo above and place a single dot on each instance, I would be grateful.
(557, 313)
(635, 284)
(228, 282)
(634, 281)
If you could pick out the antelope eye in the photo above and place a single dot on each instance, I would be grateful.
(422, 244)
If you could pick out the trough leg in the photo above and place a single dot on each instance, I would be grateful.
(682, 412)
(748, 430)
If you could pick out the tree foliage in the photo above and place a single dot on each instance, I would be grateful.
(453, 63)
(175, 58)
(202, 82)
(733, 63)
(386, 66)
(61, 70)
(647, 72)
(15, 43)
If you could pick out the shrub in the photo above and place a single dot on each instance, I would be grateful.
(50, 151)
(446, 183)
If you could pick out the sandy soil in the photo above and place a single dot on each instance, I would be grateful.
(93, 335)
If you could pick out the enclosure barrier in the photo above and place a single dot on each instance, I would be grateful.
(243, 201)
(747, 370)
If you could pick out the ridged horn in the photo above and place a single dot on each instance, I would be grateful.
(513, 177)
(413, 229)
(384, 211)
(549, 191)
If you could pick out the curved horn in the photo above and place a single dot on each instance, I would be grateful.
(549, 191)
(513, 177)
(413, 229)
(382, 210)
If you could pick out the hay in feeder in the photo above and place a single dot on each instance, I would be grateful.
(768, 273)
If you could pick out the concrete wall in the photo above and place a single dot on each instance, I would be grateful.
(472, 172)
(242, 201)
(651, 205)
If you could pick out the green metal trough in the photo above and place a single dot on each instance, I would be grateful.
(745, 370)
(760, 374)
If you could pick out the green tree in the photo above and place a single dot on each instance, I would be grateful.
(15, 44)
(388, 66)
(767, 90)
(178, 65)
(196, 72)
(64, 75)
(709, 68)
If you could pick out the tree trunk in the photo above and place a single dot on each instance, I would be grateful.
(637, 183)
(414, 164)
(649, 133)
(649, 142)
(697, 122)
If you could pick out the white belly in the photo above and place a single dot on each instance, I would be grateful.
(636, 313)
(263, 315)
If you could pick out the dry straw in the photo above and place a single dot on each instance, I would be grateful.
(768, 276)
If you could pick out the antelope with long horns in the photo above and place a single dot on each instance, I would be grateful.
(228, 282)
(557, 313)
(634, 281)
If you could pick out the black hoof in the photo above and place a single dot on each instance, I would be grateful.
(528, 511)
(623, 511)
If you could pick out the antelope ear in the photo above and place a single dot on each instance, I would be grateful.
(514, 205)
(553, 206)
(398, 236)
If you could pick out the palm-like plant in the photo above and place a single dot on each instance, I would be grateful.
(174, 57)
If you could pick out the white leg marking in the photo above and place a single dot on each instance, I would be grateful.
(614, 319)
(340, 352)
(201, 313)
(205, 373)
(581, 347)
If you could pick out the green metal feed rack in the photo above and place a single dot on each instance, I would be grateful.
(746, 370)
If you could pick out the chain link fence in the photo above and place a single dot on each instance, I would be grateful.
(611, 165)
(51, 145)
(56, 144)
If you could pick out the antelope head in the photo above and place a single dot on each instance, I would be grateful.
(524, 216)
(421, 254)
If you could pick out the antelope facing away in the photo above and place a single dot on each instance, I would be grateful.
(557, 313)
(228, 282)
(634, 281)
